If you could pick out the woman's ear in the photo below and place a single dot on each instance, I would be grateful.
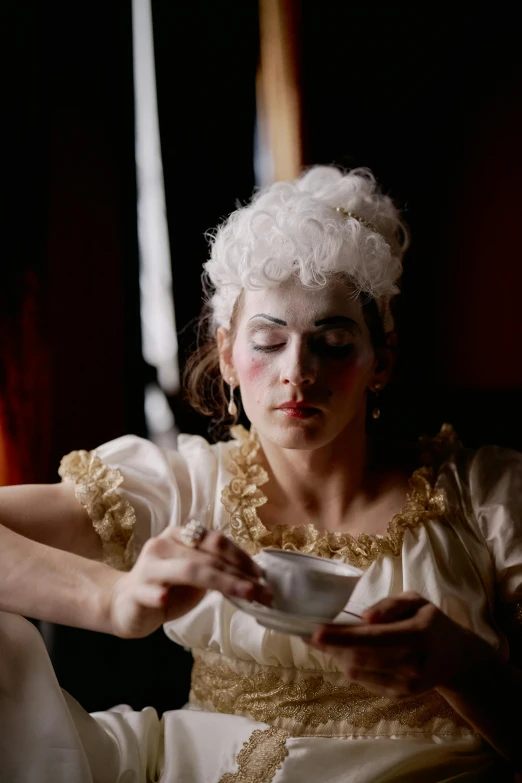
(385, 360)
(224, 344)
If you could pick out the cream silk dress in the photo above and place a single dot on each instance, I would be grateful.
(264, 706)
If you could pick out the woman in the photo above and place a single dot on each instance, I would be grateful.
(424, 689)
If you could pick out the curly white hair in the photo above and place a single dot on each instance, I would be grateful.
(302, 228)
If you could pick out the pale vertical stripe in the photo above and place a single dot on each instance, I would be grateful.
(160, 346)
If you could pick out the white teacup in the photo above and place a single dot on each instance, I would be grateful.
(308, 585)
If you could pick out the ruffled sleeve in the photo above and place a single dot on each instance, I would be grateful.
(132, 490)
(495, 488)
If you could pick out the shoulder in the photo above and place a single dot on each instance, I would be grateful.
(484, 487)
(495, 476)
(485, 469)
(494, 462)
(208, 465)
(188, 477)
(472, 479)
(191, 450)
(208, 472)
(197, 451)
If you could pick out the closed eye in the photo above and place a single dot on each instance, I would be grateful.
(266, 348)
(335, 351)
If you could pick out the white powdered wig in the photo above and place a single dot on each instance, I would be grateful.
(295, 228)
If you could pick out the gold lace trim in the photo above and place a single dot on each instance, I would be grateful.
(243, 496)
(260, 757)
(113, 517)
(307, 702)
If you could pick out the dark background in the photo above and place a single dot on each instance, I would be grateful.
(429, 100)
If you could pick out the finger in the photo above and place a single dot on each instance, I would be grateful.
(365, 667)
(386, 635)
(218, 545)
(402, 659)
(204, 571)
(223, 548)
(388, 684)
(398, 607)
(381, 683)
(215, 579)
(182, 570)
(374, 673)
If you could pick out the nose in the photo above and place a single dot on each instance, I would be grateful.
(299, 367)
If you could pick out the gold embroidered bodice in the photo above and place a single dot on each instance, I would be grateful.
(243, 496)
(311, 702)
(315, 702)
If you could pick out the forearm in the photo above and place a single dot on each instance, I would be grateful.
(489, 699)
(42, 582)
(50, 514)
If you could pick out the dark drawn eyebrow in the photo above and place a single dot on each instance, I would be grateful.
(268, 318)
(340, 320)
(334, 320)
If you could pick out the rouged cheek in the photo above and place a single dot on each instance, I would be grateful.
(254, 368)
(255, 377)
(250, 368)
(348, 378)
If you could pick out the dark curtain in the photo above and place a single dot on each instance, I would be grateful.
(71, 371)
(430, 100)
(25, 390)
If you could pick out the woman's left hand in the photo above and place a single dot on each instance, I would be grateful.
(405, 647)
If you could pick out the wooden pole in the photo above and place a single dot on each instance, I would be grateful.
(278, 89)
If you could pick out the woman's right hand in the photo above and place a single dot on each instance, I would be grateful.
(170, 578)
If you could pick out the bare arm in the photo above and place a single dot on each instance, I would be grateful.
(50, 514)
(167, 581)
(40, 581)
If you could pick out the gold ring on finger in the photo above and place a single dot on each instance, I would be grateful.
(192, 534)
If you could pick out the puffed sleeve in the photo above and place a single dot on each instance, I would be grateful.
(495, 486)
(132, 490)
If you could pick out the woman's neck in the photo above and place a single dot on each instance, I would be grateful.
(319, 483)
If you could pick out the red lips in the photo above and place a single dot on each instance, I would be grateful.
(298, 409)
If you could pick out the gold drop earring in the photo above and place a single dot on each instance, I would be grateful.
(232, 407)
(376, 411)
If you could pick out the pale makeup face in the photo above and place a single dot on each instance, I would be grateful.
(304, 361)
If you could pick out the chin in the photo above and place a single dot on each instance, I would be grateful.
(297, 434)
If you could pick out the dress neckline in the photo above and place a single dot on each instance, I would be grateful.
(242, 496)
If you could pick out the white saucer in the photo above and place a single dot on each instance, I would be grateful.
(294, 624)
